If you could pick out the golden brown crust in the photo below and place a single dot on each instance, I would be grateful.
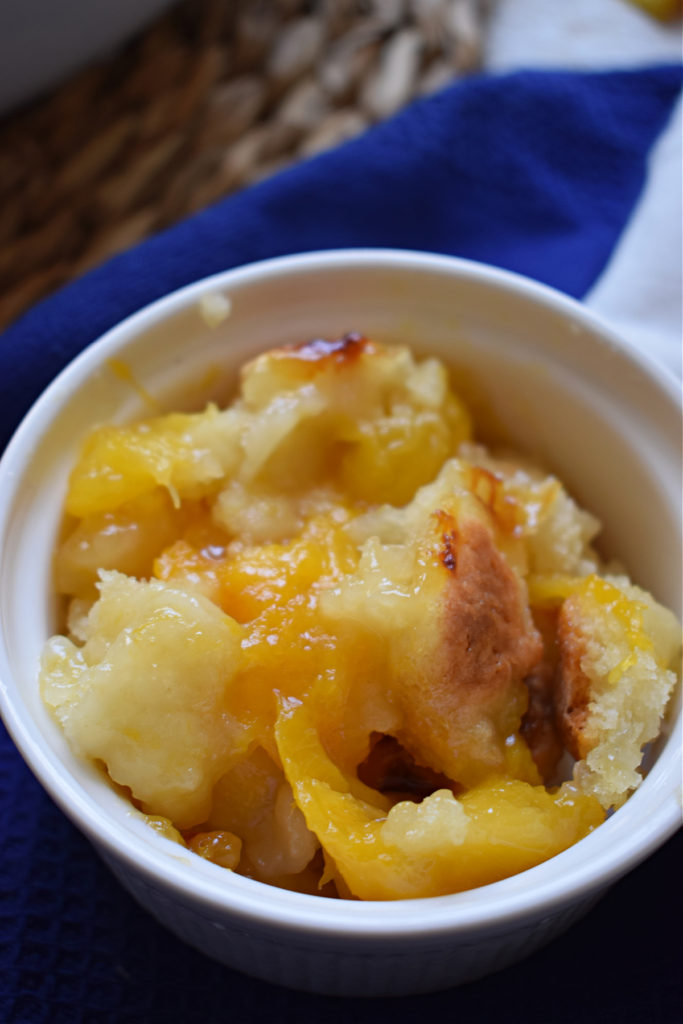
(487, 644)
(489, 638)
(339, 352)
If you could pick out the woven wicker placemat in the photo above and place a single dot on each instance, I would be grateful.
(213, 96)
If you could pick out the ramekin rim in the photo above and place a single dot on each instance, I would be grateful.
(666, 816)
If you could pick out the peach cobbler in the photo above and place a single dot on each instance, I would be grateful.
(324, 639)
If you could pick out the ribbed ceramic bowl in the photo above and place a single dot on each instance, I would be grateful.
(563, 387)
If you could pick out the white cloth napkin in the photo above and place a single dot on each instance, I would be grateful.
(640, 292)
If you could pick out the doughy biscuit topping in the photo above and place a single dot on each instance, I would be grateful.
(325, 640)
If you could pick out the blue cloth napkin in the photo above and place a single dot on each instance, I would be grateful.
(535, 172)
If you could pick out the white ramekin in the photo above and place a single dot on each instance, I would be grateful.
(554, 381)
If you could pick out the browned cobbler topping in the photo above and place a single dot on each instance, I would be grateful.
(484, 645)
(319, 636)
(489, 637)
(341, 351)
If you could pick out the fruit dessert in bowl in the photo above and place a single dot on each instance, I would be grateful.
(333, 657)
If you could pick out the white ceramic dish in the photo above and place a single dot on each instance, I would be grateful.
(563, 387)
